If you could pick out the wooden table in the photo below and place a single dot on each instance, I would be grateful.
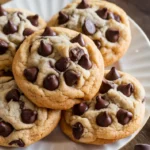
(140, 12)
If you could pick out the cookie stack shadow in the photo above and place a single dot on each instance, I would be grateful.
(56, 72)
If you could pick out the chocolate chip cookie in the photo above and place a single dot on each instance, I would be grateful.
(21, 122)
(15, 26)
(56, 67)
(105, 23)
(115, 112)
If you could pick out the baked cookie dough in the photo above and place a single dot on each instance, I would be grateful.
(15, 26)
(105, 23)
(21, 122)
(114, 113)
(56, 67)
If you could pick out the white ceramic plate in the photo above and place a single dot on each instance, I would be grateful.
(135, 62)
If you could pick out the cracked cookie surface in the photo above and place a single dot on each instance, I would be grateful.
(105, 23)
(15, 26)
(21, 122)
(56, 67)
(115, 112)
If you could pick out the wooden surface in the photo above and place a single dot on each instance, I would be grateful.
(139, 10)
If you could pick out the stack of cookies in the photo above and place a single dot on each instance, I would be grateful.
(46, 68)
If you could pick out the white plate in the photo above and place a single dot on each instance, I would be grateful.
(135, 62)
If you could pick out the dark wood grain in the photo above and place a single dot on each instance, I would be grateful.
(139, 10)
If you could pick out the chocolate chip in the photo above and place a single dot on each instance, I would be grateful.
(51, 82)
(3, 46)
(80, 109)
(83, 5)
(101, 103)
(62, 64)
(5, 129)
(45, 49)
(85, 62)
(106, 86)
(88, 27)
(63, 18)
(126, 89)
(76, 53)
(2, 11)
(103, 119)
(31, 74)
(10, 28)
(112, 35)
(77, 130)
(19, 142)
(98, 44)
(103, 13)
(112, 74)
(34, 20)
(6, 73)
(117, 18)
(142, 147)
(114, 16)
(71, 77)
(21, 103)
(13, 94)
(124, 116)
(27, 31)
(78, 39)
(48, 32)
(28, 116)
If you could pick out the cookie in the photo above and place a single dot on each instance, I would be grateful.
(15, 26)
(114, 113)
(56, 67)
(21, 122)
(105, 23)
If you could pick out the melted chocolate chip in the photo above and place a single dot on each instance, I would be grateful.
(124, 116)
(10, 28)
(13, 94)
(80, 109)
(106, 86)
(112, 74)
(3, 46)
(34, 20)
(63, 18)
(19, 142)
(71, 77)
(31, 74)
(142, 147)
(103, 13)
(21, 103)
(85, 62)
(126, 89)
(112, 35)
(2, 11)
(88, 27)
(76, 53)
(78, 39)
(5, 129)
(28, 116)
(98, 44)
(77, 130)
(103, 119)
(83, 5)
(62, 64)
(51, 82)
(27, 31)
(48, 32)
(101, 103)
(45, 49)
